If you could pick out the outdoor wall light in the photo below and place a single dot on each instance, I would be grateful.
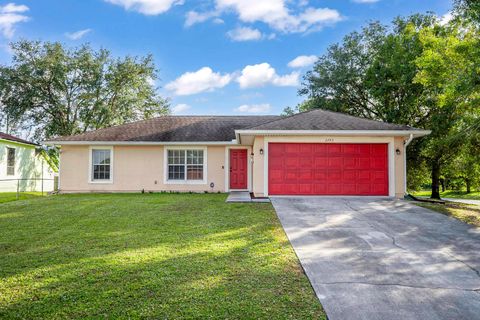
(261, 151)
(397, 152)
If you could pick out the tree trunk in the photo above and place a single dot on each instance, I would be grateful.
(435, 180)
(468, 183)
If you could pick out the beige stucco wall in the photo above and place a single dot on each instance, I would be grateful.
(399, 167)
(142, 167)
(258, 167)
(135, 168)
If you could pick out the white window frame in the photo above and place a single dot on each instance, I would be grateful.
(14, 162)
(185, 181)
(90, 165)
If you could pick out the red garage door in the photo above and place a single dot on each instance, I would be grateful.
(327, 169)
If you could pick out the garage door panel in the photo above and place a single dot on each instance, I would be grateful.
(320, 149)
(292, 148)
(363, 163)
(320, 188)
(305, 174)
(334, 175)
(349, 189)
(306, 162)
(349, 163)
(363, 188)
(349, 149)
(292, 162)
(328, 169)
(276, 163)
(334, 188)
(321, 162)
(320, 175)
(334, 149)
(335, 162)
(349, 175)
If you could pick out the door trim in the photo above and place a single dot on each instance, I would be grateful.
(227, 168)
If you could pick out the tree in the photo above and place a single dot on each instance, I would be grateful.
(403, 75)
(54, 90)
(469, 9)
(449, 74)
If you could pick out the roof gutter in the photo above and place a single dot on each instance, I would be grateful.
(414, 133)
(140, 143)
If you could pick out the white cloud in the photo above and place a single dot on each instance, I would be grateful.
(194, 17)
(147, 7)
(262, 74)
(365, 1)
(10, 15)
(77, 34)
(254, 108)
(302, 61)
(218, 21)
(276, 14)
(201, 80)
(244, 34)
(446, 18)
(13, 8)
(180, 108)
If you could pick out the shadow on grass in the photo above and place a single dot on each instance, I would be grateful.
(153, 256)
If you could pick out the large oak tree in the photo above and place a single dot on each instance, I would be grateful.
(53, 90)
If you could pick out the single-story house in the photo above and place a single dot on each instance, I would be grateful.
(23, 166)
(311, 153)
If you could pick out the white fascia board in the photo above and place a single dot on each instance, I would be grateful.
(390, 133)
(142, 143)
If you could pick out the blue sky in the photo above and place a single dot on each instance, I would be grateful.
(214, 56)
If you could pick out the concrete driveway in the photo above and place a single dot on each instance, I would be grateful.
(371, 258)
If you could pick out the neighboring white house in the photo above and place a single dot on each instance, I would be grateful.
(23, 167)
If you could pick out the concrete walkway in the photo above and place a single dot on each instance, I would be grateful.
(243, 196)
(378, 259)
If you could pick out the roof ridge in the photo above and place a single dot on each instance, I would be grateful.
(357, 117)
(282, 118)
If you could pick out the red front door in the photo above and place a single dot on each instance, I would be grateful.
(238, 169)
(327, 169)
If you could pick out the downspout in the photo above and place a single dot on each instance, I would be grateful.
(407, 142)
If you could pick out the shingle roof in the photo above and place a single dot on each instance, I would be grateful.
(9, 137)
(222, 128)
(319, 119)
(174, 129)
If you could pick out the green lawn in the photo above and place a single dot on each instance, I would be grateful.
(12, 196)
(450, 194)
(467, 213)
(155, 256)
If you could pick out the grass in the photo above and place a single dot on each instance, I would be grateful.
(467, 213)
(12, 196)
(450, 194)
(155, 256)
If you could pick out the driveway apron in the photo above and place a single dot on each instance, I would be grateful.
(378, 258)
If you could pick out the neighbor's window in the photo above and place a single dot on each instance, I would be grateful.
(10, 161)
(101, 164)
(185, 164)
